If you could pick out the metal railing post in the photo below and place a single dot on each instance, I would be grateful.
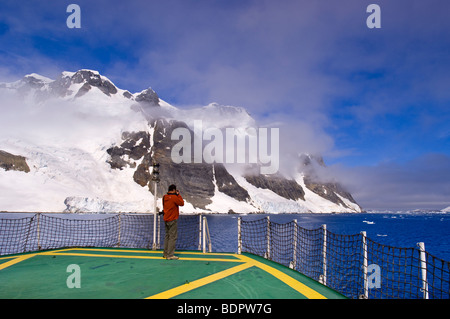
(158, 237)
(119, 230)
(423, 267)
(365, 265)
(294, 244)
(38, 231)
(239, 236)
(268, 238)
(323, 278)
(200, 232)
(154, 216)
(204, 234)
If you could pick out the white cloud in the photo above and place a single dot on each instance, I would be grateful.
(422, 183)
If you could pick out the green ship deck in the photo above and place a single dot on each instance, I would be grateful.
(108, 273)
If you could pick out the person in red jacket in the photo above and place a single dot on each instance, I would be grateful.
(171, 201)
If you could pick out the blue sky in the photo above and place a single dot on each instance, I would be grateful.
(374, 102)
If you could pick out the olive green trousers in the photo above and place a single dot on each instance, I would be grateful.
(170, 239)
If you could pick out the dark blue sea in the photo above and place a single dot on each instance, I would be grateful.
(403, 230)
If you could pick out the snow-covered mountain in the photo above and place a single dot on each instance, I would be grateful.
(79, 143)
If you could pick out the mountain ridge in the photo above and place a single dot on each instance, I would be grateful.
(104, 163)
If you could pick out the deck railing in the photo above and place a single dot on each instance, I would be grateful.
(42, 231)
(354, 265)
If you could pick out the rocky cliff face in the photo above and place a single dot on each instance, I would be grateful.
(199, 181)
(196, 180)
(281, 186)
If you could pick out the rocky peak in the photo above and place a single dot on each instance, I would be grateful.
(76, 84)
(93, 78)
(148, 96)
(28, 82)
(35, 81)
(88, 77)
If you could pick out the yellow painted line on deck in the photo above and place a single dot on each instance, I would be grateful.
(8, 257)
(67, 252)
(200, 282)
(16, 260)
(247, 263)
(146, 251)
(291, 282)
(139, 257)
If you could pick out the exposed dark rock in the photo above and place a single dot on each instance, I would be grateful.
(94, 79)
(60, 86)
(83, 90)
(329, 191)
(194, 180)
(284, 187)
(323, 186)
(127, 94)
(10, 162)
(135, 145)
(32, 82)
(228, 185)
(142, 175)
(148, 96)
